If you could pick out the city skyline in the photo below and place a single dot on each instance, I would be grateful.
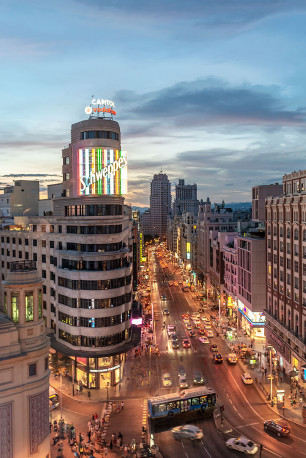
(213, 94)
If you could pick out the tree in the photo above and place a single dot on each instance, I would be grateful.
(57, 364)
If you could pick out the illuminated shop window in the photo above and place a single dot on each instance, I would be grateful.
(29, 306)
(15, 309)
(39, 304)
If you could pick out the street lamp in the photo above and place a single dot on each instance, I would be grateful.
(271, 376)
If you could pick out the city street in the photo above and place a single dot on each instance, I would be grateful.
(245, 408)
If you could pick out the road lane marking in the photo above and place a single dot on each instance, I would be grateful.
(250, 424)
(206, 450)
(244, 395)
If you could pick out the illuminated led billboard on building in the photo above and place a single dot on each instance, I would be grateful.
(102, 171)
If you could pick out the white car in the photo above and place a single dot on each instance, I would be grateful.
(187, 432)
(203, 339)
(209, 333)
(232, 358)
(247, 379)
(166, 379)
(242, 444)
(183, 382)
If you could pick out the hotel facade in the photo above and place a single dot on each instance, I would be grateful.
(83, 252)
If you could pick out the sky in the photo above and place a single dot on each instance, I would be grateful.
(210, 91)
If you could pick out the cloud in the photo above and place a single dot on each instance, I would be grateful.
(31, 175)
(209, 102)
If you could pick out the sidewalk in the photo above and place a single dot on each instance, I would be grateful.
(263, 384)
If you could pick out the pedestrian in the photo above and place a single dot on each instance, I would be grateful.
(122, 405)
(301, 401)
(105, 450)
(89, 434)
(265, 371)
(111, 445)
(89, 425)
(96, 416)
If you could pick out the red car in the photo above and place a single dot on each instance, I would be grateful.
(186, 343)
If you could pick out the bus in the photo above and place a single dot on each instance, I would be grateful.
(193, 399)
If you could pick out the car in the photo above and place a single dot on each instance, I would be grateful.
(247, 379)
(171, 329)
(279, 427)
(166, 379)
(192, 334)
(174, 337)
(181, 371)
(198, 378)
(214, 347)
(242, 444)
(217, 359)
(163, 297)
(175, 283)
(165, 312)
(207, 327)
(209, 333)
(183, 382)
(204, 340)
(201, 332)
(186, 343)
(186, 320)
(232, 358)
(170, 283)
(187, 432)
(175, 344)
(188, 326)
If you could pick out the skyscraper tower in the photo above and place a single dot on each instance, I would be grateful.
(185, 199)
(160, 204)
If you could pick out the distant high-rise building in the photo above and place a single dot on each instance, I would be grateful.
(160, 204)
(185, 199)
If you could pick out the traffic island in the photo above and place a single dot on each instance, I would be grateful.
(222, 425)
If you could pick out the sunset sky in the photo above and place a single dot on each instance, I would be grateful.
(210, 91)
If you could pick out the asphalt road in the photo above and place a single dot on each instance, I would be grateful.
(245, 409)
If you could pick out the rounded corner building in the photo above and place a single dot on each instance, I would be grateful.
(94, 271)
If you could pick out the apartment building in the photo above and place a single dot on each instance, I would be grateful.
(286, 274)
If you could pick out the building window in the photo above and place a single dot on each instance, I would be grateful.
(32, 370)
(26, 241)
(34, 256)
(43, 244)
(39, 304)
(15, 307)
(29, 306)
(34, 242)
(51, 244)
(43, 258)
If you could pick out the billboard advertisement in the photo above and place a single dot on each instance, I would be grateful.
(102, 171)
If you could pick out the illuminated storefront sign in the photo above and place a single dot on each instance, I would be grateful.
(254, 318)
(188, 250)
(105, 370)
(95, 107)
(102, 171)
(141, 246)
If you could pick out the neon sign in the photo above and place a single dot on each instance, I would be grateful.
(98, 109)
(102, 171)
